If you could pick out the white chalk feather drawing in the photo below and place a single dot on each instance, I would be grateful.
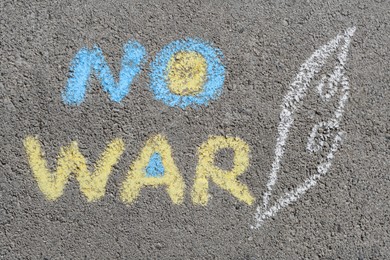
(327, 88)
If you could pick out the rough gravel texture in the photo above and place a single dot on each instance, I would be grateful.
(346, 216)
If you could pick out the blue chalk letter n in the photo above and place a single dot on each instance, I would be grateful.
(87, 60)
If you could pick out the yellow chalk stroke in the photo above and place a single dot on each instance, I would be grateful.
(187, 72)
(70, 160)
(137, 177)
(227, 180)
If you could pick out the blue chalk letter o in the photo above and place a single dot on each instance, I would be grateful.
(213, 82)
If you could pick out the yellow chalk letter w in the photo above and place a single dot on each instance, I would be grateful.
(70, 160)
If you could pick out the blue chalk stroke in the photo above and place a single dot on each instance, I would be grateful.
(155, 167)
(86, 61)
(213, 85)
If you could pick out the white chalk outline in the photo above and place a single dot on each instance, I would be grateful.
(291, 102)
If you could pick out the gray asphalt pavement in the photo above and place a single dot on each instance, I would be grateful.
(345, 215)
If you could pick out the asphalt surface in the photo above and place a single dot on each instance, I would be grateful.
(346, 216)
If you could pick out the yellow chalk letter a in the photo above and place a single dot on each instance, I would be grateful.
(167, 172)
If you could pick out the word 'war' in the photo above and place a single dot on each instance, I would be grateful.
(153, 167)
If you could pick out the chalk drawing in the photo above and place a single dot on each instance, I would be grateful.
(226, 179)
(154, 167)
(87, 61)
(70, 160)
(291, 102)
(187, 73)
